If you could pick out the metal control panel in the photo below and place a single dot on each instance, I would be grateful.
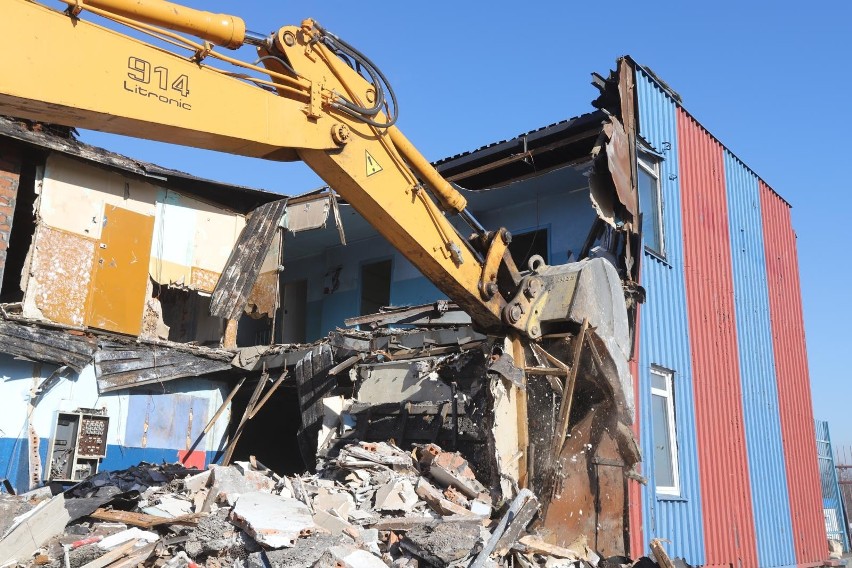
(79, 442)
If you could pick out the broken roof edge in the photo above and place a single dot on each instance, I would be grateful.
(200, 350)
(504, 148)
(678, 101)
(221, 193)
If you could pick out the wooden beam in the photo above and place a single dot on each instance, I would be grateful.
(268, 394)
(561, 429)
(232, 444)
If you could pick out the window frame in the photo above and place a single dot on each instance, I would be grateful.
(651, 166)
(516, 235)
(671, 418)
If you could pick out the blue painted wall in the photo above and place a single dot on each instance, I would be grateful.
(664, 341)
(14, 463)
(558, 201)
(168, 413)
(767, 472)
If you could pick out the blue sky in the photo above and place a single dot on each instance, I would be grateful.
(769, 79)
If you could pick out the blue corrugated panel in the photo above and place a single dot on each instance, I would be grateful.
(835, 521)
(664, 341)
(767, 471)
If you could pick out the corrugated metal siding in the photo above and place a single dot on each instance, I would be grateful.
(794, 391)
(832, 501)
(767, 473)
(727, 511)
(664, 341)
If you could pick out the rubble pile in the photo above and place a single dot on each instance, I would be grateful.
(372, 505)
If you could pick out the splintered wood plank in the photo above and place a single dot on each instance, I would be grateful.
(143, 520)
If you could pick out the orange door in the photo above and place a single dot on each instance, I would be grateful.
(120, 280)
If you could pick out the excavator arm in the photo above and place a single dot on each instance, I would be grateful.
(308, 102)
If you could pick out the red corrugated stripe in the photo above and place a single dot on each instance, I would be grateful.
(634, 490)
(729, 535)
(794, 389)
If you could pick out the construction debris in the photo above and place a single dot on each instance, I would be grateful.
(371, 505)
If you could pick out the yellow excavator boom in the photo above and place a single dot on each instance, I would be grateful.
(307, 102)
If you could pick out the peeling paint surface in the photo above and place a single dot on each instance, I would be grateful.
(203, 280)
(61, 275)
(264, 295)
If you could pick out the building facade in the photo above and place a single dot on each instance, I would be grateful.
(721, 387)
(724, 410)
(109, 267)
(723, 326)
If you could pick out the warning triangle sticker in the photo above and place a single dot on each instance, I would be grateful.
(373, 166)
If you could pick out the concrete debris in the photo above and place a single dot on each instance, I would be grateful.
(398, 495)
(442, 545)
(305, 555)
(373, 505)
(350, 557)
(228, 483)
(271, 520)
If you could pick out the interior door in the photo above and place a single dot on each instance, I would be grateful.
(120, 279)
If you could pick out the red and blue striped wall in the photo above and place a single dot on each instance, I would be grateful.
(724, 314)
(667, 345)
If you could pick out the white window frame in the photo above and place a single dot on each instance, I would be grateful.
(652, 168)
(668, 395)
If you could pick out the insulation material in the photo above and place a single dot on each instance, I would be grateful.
(60, 276)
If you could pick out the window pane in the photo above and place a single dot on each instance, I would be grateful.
(663, 467)
(648, 201)
(658, 381)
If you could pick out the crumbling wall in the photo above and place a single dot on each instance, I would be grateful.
(519, 416)
(192, 241)
(176, 240)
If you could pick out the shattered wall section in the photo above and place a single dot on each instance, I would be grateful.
(100, 235)
(192, 241)
(264, 297)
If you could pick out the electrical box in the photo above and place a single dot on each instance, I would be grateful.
(79, 442)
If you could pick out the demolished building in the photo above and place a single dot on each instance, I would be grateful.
(233, 334)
